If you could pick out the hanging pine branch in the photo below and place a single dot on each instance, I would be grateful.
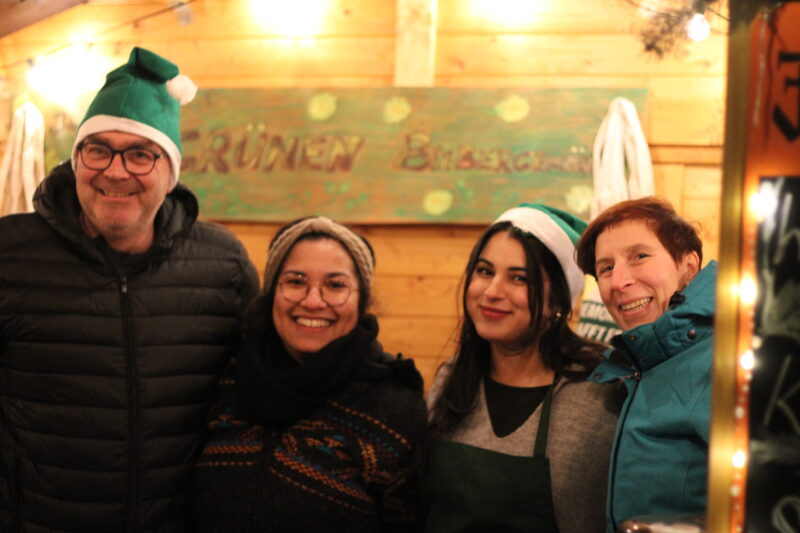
(665, 28)
(666, 31)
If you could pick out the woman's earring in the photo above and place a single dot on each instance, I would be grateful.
(556, 317)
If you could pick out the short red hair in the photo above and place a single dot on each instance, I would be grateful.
(678, 236)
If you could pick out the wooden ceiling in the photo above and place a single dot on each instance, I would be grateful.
(16, 14)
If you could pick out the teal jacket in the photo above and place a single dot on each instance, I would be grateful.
(659, 459)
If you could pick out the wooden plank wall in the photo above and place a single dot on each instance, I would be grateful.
(581, 43)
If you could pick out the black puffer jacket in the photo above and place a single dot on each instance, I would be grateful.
(108, 363)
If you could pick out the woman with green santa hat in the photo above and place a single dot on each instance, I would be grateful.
(521, 441)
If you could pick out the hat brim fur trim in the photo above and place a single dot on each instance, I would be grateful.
(540, 225)
(101, 123)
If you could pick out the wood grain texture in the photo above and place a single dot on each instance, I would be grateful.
(582, 43)
(690, 155)
(415, 55)
(18, 14)
(562, 54)
(542, 16)
(212, 19)
(705, 212)
(668, 181)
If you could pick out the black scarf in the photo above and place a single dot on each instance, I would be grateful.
(272, 392)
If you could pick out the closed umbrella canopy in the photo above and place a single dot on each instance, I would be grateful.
(22, 168)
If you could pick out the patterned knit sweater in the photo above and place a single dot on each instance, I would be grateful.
(352, 465)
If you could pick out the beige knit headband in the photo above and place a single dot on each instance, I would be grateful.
(354, 244)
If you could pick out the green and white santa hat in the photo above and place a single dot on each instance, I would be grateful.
(558, 231)
(142, 97)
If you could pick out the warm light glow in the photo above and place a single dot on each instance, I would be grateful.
(739, 459)
(764, 203)
(698, 28)
(747, 361)
(84, 34)
(306, 42)
(295, 18)
(510, 13)
(66, 76)
(648, 8)
(747, 290)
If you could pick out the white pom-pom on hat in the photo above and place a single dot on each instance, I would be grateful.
(182, 89)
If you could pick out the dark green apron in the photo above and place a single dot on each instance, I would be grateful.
(473, 489)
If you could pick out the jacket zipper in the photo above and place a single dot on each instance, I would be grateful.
(131, 384)
(637, 376)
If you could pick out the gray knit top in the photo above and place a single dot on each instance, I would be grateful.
(582, 424)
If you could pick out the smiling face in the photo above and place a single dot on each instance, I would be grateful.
(307, 326)
(116, 204)
(497, 295)
(636, 275)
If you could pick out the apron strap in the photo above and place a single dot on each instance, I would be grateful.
(540, 447)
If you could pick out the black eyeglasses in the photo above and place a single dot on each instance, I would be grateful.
(137, 161)
(334, 291)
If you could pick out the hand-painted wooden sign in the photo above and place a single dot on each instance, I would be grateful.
(389, 154)
(383, 155)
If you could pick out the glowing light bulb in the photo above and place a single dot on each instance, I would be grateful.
(298, 18)
(698, 28)
(68, 76)
(763, 204)
(739, 459)
(747, 361)
(747, 290)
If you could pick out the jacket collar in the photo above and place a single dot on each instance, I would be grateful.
(685, 323)
(56, 201)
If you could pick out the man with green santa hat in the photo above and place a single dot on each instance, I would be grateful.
(118, 311)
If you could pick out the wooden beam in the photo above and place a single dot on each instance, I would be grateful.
(16, 14)
(723, 439)
(5, 114)
(686, 154)
(415, 50)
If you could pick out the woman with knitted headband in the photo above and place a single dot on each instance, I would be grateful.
(315, 428)
(521, 441)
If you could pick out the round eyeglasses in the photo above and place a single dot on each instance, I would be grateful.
(334, 291)
(137, 161)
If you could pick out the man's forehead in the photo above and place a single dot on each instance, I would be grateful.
(121, 139)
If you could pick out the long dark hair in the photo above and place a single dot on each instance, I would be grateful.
(562, 350)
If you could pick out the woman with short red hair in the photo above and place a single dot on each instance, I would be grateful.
(646, 260)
